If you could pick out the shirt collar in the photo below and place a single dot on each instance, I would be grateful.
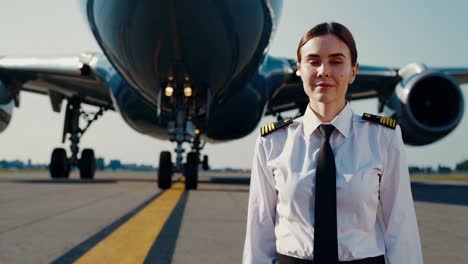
(342, 121)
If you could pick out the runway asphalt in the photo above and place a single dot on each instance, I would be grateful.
(123, 217)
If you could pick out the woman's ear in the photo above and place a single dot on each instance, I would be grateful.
(298, 71)
(355, 69)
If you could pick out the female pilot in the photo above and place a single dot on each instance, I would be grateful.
(317, 181)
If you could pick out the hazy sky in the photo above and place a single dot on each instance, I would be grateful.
(388, 33)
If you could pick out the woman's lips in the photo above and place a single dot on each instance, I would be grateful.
(324, 85)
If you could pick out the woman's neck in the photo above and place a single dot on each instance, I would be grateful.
(326, 112)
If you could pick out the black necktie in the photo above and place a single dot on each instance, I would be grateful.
(325, 236)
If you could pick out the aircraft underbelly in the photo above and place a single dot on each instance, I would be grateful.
(215, 47)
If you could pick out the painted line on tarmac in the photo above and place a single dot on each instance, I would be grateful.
(132, 241)
(79, 250)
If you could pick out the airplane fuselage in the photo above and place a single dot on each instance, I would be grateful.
(217, 48)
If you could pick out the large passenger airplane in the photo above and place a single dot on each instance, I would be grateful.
(198, 71)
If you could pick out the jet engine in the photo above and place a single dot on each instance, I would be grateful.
(427, 104)
(6, 106)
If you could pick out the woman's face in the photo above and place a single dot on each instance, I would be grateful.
(326, 69)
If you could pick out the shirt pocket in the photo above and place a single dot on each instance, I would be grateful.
(356, 186)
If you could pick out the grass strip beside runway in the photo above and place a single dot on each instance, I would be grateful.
(441, 177)
(131, 242)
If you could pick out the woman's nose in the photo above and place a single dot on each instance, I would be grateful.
(323, 71)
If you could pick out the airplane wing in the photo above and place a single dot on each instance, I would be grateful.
(59, 77)
(460, 74)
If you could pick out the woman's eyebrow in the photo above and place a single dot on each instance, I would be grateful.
(313, 55)
(339, 54)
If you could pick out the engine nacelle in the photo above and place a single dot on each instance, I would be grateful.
(6, 106)
(427, 104)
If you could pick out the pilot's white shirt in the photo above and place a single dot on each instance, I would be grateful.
(371, 168)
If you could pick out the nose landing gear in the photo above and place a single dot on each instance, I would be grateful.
(189, 169)
(181, 130)
(186, 102)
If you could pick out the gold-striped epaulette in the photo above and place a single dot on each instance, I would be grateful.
(383, 120)
(267, 129)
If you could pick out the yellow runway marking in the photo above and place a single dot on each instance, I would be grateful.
(131, 242)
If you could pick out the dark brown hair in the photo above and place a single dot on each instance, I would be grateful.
(331, 28)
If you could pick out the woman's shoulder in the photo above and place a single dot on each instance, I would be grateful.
(376, 121)
(381, 126)
(279, 127)
(277, 133)
(274, 136)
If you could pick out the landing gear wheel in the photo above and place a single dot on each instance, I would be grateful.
(87, 164)
(59, 167)
(191, 171)
(205, 163)
(165, 170)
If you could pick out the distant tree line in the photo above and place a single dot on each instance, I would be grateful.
(459, 167)
(18, 165)
(462, 166)
(100, 165)
(118, 165)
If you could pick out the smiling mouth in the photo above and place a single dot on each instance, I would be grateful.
(324, 86)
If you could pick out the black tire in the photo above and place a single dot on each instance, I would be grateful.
(59, 167)
(87, 164)
(191, 171)
(165, 170)
(205, 163)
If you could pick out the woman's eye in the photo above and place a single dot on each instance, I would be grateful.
(314, 62)
(336, 62)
